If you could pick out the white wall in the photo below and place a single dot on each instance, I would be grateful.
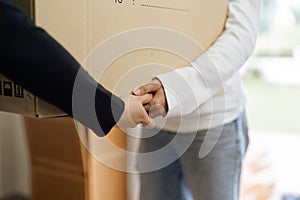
(14, 156)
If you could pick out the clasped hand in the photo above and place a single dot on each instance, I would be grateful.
(145, 103)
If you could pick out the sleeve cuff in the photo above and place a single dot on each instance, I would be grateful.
(179, 93)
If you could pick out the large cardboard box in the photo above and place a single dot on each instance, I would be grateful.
(56, 159)
(83, 26)
(155, 35)
(63, 169)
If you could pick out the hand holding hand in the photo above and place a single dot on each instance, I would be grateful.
(134, 112)
(158, 105)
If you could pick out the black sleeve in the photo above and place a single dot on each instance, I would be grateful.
(33, 59)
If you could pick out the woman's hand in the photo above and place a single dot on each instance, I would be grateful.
(134, 112)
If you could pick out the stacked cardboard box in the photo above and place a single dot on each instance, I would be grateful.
(57, 167)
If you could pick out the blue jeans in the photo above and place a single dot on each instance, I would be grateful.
(214, 177)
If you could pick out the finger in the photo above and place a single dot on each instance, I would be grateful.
(147, 98)
(145, 119)
(147, 107)
(159, 99)
(148, 88)
(156, 111)
(148, 122)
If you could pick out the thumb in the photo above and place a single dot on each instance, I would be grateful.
(147, 88)
(148, 122)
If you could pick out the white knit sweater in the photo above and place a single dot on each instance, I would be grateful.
(209, 92)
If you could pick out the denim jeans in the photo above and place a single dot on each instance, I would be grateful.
(214, 177)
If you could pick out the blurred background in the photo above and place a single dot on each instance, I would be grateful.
(272, 78)
(272, 164)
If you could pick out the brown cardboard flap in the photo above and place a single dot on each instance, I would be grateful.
(15, 99)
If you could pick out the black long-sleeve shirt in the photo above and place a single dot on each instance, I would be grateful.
(32, 58)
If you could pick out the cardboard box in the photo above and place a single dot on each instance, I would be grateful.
(15, 99)
(82, 25)
(56, 159)
(63, 169)
(198, 20)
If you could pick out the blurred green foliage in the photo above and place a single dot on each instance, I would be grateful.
(272, 107)
(296, 12)
(278, 42)
(274, 40)
(267, 15)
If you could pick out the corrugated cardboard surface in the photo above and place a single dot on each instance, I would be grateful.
(102, 181)
(15, 99)
(200, 20)
(82, 25)
(63, 169)
(57, 167)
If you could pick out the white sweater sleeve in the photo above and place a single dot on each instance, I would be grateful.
(189, 87)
